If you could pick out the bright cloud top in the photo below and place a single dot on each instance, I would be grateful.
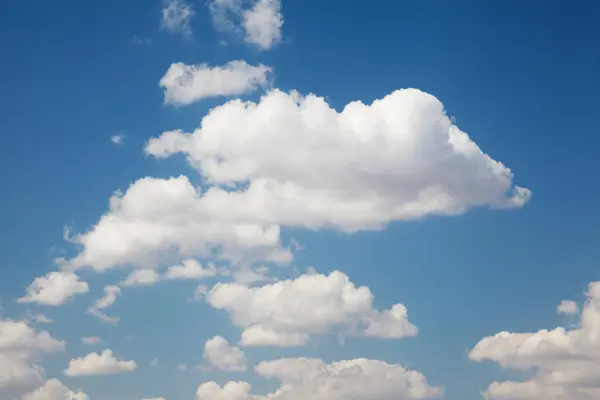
(176, 17)
(184, 84)
(99, 364)
(54, 289)
(304, 378)
(294, 161)
(567, 361)
(273, 315)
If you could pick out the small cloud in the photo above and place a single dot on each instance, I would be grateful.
(54, 289)
(141, 41)
(91, 340)
(117, 139)
(568, 307)
(200, 293)
(176, 16)
(41, 319)
(104, 363)
(154, 362)
(182, 367)
(110, 296)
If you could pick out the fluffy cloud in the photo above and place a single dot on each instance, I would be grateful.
(567, 362)
(220, 354)
(54, 288)
(53, 389)
(184, 84)
(262, 23)
(274, 315)
(20, 348)
(155, 216)
(110, 296)
(302, 378)
(568, 307)
(294, 161)
(308, 165)
(141, 277)
(258, 21)
(176, 16)
(190, 269)
(99, 364)
(117, 139)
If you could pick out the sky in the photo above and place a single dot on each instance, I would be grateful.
(255, 199)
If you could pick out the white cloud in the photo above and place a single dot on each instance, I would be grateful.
(117, 139)
(53, 389)
(54, 288)
(294, 161)
(258, 21)
(154, 362)
(184, 84)
(40, 319)
(182, 367)
(190, 269)
(141, 277)
(155, 398)
(258, 335)
(91, 340)
(176, 17)
(287, 312)
(566, 362)
(110, 296)
(307, 165)
(263, 23)
(302, 378)
(99, 364)
(157, 216)
(20, 349)
(567, 307)
(220, 354)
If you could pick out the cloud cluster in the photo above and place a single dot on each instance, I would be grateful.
(20, 348)
(294, 161)
(566, 362)
(304, 378)
(286, 313)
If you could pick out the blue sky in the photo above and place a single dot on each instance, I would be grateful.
(519, 78)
